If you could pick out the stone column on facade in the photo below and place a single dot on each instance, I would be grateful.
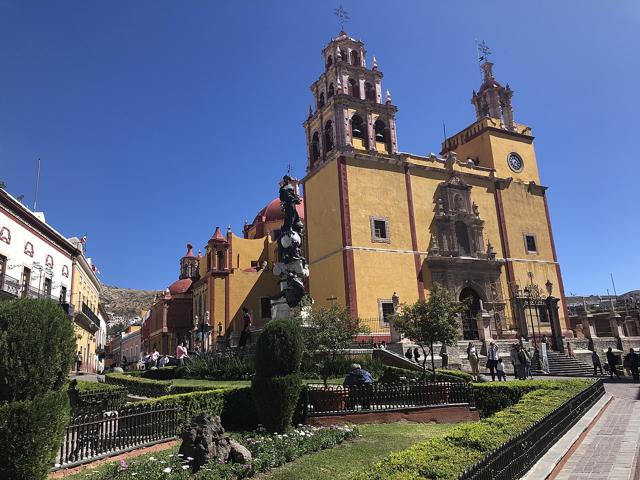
(553, 309)
(615, 322)
(361, 88)
(521, 318)
(394, 136)
(588, 327)
(371, 134)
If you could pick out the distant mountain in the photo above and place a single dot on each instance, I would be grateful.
(126, 301)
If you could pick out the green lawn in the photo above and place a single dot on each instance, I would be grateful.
(377, 442)
(238, 383)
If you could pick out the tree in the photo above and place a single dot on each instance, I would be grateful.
(329, 331)
(431, 321)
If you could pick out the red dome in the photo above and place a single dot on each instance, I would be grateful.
(273, 213)
(180, 286)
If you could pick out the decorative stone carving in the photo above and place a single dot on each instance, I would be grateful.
(203, 440)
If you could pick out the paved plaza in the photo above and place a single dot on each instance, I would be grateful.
(605, 447)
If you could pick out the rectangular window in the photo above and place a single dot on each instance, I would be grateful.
(265, 307)
(26, 281)
(530, 243)
(63, 294)
(47, 286)
(379, 229)
(543, 313)
(385, 310)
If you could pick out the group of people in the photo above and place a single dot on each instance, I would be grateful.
(630, 362)
(413, 354)
(520, 356)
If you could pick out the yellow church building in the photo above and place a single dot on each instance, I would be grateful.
(379, 221)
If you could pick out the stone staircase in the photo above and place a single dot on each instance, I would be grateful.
(562, 364)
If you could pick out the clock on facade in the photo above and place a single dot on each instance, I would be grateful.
(515, 162)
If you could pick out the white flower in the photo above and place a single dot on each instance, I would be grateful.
(167, 470)
(57, 465)
(184, 467)
(189, 458)
(153, 459)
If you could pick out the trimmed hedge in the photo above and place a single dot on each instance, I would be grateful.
(145, 387)
(448, 456)
(442, 375)
(279, 349)
(495, 396)
(234, 406)
(92, 396)
(276, 399)
(30, 435)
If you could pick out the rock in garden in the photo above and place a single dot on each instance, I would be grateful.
(203, 440)
(239, 453)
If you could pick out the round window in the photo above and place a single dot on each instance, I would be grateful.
(515, 162)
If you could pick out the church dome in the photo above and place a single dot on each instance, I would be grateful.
(180, 287)
(273, 213)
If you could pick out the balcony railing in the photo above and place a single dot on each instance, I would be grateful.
(89, 313)
(10, 285)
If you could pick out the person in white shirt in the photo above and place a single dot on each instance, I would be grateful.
(500, 371)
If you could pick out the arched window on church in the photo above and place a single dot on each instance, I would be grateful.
(357, 127)
(369, 92)
(343, 55)
(321, 100)
(315, 147)
(330, 91)
(382, 134)
(208, 261)
(355, 58)
(329, 61)
(462, 234)
(328, 136)
(354, 89)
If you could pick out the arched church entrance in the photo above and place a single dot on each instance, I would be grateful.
(469, 322)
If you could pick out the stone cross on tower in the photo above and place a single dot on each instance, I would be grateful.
(342, 15)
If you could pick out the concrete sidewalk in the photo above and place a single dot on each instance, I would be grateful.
(603, 445)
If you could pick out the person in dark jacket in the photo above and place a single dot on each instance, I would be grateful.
(612, 360)
(359, 382)
(633, 360)
(416, 355)
(409, 354)
(597, 364)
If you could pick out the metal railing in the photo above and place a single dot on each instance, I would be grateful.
(373, 326)
(10, 285)
(381, 397)
(89, 313)
(93, 436)
(515, 457)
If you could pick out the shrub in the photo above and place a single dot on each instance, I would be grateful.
(279, 349)
(96, 397)
(37, 348)
(142, 387)
(276, 399)
(145, 387)
(448, 456)
(214, 366)
(239, 411)
(191, 404)
(459, 375)
(277, 383)
(30, 434)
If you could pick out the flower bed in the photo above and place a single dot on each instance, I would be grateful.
(448, 456)
(268, 451)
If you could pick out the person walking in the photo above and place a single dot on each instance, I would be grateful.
(570, 350)
(154, 357)
(416, 355)
(542, 354)
(492, 360)
(78, 361)
(513, 354)
(612, 361)
(248, 324)
(409, 354)
(500, 371)
(472, 356)
(522, 363)
(597, 364)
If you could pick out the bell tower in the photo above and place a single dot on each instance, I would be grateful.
(351, 112)
(493, 100)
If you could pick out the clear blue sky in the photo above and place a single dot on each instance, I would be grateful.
(158, 120)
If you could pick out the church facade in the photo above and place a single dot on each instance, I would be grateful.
(474, 219)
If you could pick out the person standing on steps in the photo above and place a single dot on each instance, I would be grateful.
(597, 364)
(492, 360)
(632, 360)
(416, 355)
(472, 356)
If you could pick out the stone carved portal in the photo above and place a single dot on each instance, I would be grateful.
(459, 260)
(469, 321)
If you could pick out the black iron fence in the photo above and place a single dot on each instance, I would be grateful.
(92, 436)
(380, 397)
(515, 457)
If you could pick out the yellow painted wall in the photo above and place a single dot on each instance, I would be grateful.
(326, 280)
(378, 190)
